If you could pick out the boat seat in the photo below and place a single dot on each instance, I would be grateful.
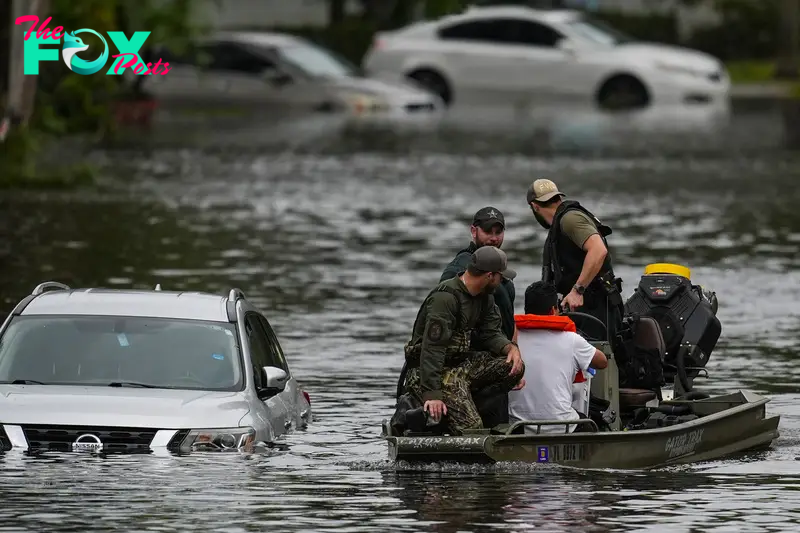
(630, 399)
(649, 336)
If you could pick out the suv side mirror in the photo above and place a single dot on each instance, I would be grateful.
(274, 380)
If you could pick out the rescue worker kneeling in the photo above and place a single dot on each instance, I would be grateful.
(553, 354)
(444, 368)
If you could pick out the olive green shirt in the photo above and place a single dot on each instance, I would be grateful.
(578, 227)
(436, 331)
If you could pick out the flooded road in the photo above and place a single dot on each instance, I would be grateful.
(339, 246)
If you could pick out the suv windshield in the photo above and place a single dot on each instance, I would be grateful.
(598, 32)
(125, 351)
(317, 61)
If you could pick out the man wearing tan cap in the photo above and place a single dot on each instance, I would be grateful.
(575, 256)
(445, 362)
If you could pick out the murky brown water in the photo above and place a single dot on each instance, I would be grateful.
(339, 247)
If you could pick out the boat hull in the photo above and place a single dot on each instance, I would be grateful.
(727, 425)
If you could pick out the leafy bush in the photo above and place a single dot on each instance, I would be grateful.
(651, 27)
(351, 38)
(749, 30)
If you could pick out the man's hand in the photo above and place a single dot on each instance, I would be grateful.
(515, 358)
(519, 385)
(436, 408)
(573, 300)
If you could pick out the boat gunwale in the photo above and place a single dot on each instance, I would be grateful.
(747, 402)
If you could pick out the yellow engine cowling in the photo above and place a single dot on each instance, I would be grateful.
(668, 268)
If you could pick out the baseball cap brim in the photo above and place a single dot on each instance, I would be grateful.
(486, 225)
(509, 274)
(549, 195)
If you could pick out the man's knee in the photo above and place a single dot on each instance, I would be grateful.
(519, 373)
(504, 371)
(486, 363)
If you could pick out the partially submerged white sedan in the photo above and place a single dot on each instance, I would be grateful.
(524, 56)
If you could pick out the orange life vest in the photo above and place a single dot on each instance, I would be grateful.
(559, 323)
(553, 322)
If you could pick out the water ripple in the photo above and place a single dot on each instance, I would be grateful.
(339, 249)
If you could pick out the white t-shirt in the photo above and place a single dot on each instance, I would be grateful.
(552, 358)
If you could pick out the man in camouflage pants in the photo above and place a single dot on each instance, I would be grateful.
(444, 368)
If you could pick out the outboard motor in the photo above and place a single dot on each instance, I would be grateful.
(686, 315)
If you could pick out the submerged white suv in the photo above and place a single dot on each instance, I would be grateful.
(132, 371)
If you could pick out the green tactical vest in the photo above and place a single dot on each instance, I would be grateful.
(460, 340)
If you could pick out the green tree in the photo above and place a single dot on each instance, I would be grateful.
(66, 103)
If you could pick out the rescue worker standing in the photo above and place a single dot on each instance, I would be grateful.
(446, 362)
(488, 229)
(576, 257)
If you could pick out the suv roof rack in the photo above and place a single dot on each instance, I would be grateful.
(236, 294)
(42, 287)
(233, 296)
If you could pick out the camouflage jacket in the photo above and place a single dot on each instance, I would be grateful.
(442, 332)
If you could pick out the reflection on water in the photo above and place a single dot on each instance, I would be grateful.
(534, 129)
(338, 248)
(281, 493)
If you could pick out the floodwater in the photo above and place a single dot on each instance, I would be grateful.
(338, 241)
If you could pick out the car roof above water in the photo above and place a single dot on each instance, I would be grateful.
(144, 303)
(546, 15)
(474, 13)
(258, 38)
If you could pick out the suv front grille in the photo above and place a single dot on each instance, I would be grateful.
(114, 439)
(5, 442)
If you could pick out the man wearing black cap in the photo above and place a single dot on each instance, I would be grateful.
(488, 229)
(457, 346)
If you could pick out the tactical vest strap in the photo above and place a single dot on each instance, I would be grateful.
(411, 351)
(551, 263)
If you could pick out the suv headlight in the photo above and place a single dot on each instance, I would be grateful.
(218, 439)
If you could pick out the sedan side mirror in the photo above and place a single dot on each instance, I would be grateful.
(277, 78)
(274, 380)
(567, 46)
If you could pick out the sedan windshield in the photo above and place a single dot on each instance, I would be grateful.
(317, 61)
(598, 32)
(121, 352)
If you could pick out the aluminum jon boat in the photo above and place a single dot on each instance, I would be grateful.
(725, 425)
(624, 427)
